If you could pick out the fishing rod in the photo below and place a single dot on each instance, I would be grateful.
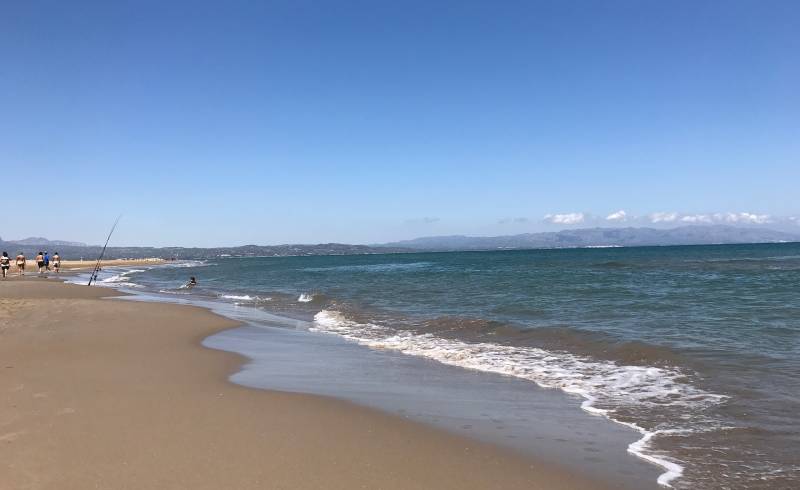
(93, 277)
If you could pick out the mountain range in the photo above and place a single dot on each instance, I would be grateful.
(88, 252)
(586, 237)
(34, 240)
(603, 237)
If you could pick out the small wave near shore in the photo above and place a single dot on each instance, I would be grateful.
(652, 400)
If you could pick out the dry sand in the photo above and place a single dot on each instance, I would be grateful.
(110, 394)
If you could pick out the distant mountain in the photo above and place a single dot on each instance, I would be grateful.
(81, 251)
(45, 241)
(602, 237)
(589, 237)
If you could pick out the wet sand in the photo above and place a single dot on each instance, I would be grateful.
(114, 394)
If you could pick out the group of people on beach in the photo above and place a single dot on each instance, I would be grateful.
(44, 263)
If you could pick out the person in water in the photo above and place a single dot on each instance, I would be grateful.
(56, 262)
(192, 283)
(5, 264)
(21, 264)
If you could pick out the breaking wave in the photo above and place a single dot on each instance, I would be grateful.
(652, 400)
(305, 298)
(245, 297)
(187, 263)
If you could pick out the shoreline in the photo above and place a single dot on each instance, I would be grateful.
(602, 448)
(85, 409)
(31, 269)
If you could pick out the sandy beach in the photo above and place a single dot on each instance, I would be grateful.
(89, 264)
(112, 394)
(31, 269)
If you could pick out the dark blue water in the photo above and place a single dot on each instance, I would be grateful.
(697, 347)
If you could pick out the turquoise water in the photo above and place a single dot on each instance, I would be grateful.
(697, 347)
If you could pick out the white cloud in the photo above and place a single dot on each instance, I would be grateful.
(669, 218)
(620, 215)
(750, 218)
(565, 219)
(697, 218)
(663, 217)
(734, 218)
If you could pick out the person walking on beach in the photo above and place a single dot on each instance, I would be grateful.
(57, 262)
(21, 264)
(5, 264)
(40, 262)
(46, 260)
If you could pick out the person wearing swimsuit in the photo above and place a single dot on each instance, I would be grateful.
(21, 264)
(56, 262)
(40, 262)
(5, 263)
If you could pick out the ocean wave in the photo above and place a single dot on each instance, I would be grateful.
(746, 259)
(591, 344)
(187, 263)
(173, 291)
(244, 297)
(121, 277)
(133, 285)
(305, 298)
(652, 400)
(114, 278)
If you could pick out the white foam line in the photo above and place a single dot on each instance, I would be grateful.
(639, 386)
(638, 448)
(187, 263)
(244, 297)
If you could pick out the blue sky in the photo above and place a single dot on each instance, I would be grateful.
(297, 121)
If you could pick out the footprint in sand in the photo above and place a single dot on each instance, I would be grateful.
(11, 436)
(40, 395)
(66, 411)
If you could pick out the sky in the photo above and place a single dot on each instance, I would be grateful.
(227, 123)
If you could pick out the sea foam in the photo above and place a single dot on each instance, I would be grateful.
(605, 386)
(243, 297)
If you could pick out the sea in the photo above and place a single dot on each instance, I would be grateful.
(692, 351)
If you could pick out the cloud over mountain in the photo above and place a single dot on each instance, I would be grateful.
(620, 215)
(663, 217)
(710, 218)
(565, 219)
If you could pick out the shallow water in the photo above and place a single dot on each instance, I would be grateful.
(695, 347)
